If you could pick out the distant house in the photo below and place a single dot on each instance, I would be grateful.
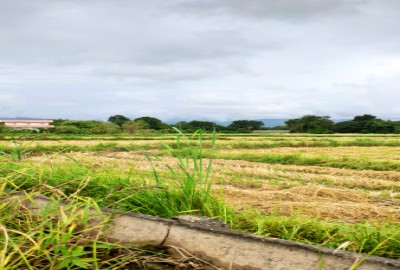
(27, 124)
(271, 131)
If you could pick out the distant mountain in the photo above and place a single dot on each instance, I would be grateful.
(273, 122)
(172, 121)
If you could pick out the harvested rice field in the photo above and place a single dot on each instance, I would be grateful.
(325, 190)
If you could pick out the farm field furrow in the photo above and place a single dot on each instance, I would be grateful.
(382, 153)
(335, 194)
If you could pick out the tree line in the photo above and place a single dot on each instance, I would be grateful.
(359, 124)
(115, 124)
(306, 124)
(144, 125)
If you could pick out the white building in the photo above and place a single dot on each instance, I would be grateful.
(27, 124)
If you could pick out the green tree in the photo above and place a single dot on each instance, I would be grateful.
(348, 127)
(182, 125)
(246, 124)
(396, 126)
(194, 125)
(83, 125)
(86, 127)
(58, 122)
(279, 128)
(365, 117)
(67, 130)
(118, 119)
(152, 122)
(380, 126)
(310, 124)
(135, 126)
(366, 124)
(104, 128)
(204, 125)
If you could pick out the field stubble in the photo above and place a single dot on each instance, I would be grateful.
(325, 193)
(353, 184)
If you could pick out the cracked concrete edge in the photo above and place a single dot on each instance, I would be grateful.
(235, 250)
(229, 249)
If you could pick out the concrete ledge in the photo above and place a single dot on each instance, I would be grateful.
(234, 250)
(128, 229)
(228, 249)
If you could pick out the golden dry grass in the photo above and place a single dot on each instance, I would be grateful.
(317, 202)
(319, 192)
(382, 153)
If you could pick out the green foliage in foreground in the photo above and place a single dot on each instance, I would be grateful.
(189, 194)
(61, 235)
(50, 238)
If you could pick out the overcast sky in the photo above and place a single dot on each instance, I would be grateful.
(204, 59)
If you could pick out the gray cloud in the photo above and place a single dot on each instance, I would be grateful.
(274, 9)
(199, 59)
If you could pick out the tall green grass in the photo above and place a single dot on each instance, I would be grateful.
(61, 235)
(189, 192)
(195, 184)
